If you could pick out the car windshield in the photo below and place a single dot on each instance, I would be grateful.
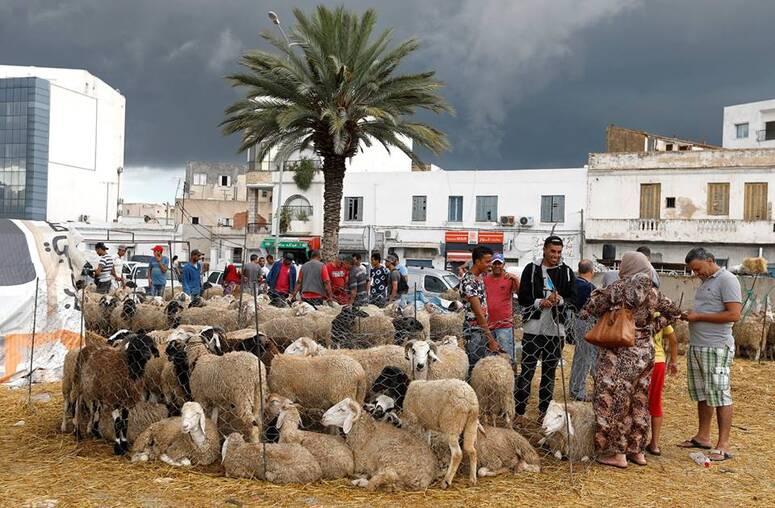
(452, 280)
(142, 273)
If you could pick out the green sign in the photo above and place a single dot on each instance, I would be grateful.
(285, 244)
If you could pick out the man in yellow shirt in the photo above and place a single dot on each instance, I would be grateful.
(658, 382)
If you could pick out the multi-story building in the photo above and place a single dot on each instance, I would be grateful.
(61, 139)
(622, 139)
(158, 213)
(750, 125)
(673, 201)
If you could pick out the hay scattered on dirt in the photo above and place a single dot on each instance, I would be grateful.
(37, 463)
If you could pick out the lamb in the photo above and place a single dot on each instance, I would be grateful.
(393, 458)
(428, 360)
(373, 360)
(285, 463)
(448, 406)
(186, 440)
(141, 416)
(318, 382)
(211, 316)
(492, 378)
(580, 428)
(232, 384)
(113, 378)
(331, 452)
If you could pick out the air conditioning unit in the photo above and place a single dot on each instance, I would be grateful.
(83, 218)
(507, 220)
(527, 222)
(390, 234)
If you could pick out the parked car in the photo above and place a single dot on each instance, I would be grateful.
(139, 275)
(430, 280)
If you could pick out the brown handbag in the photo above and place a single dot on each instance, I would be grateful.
(616, 328)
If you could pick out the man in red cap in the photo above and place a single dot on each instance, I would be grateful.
(157, 271)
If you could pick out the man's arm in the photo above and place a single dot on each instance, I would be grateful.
(329, 291)
(730, 314)
(184, 281)
(525, 296)
(476, 308)
(162, 266)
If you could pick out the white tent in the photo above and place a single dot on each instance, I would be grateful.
(37, 258)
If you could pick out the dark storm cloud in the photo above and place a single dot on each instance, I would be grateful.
(534, 83)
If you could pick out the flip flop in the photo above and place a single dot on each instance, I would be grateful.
(653, 452)
(611, 465)
(719, 455)
(693, 443)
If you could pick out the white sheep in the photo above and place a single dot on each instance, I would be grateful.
(285, 463)
(492, 378)
(318, 382)
(448, 406)
(185, 440)
(284, 330)
(331, 452)
(443, 360)
(571, 437)
(391, 458)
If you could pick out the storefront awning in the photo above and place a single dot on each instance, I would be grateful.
(458, 256)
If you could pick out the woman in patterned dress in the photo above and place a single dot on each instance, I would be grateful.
(622, 375)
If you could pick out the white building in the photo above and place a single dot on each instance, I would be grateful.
(61, 145)
(432, 215)
(673, 201)
(750, 125)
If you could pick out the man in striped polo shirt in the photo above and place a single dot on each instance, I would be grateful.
(103, 275)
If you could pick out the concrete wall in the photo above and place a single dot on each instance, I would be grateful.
(755, 114)
(236, 190)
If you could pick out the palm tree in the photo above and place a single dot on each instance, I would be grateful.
(340, 91)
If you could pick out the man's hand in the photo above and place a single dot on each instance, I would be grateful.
(672, 369)
(546, 303)
(692, 316)
(493, 346)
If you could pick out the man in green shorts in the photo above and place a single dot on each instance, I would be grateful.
(717, 305)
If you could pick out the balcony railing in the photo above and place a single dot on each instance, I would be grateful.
(680, 230)
(765, 135)
(298, 212)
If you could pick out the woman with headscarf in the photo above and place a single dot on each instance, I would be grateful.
(622, 375)
(231, 279)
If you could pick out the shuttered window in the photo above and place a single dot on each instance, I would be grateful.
(718, 199)
(552, 208)
(650, 199)
(419, 207)
(755, 201)
(486, 208)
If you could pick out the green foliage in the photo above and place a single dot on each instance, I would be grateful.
(303, 173)
(286, 216)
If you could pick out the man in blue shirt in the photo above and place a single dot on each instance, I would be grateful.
(157, 271)
(192, 278)
(585, 354)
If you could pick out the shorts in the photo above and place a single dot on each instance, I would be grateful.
(708, 374)
(655, 389)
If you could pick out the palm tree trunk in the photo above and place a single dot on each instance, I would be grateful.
(333, 187)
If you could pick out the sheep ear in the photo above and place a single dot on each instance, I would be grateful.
(202, 420)
(571, 430)
(433, 353)
(281, 419)
(408, 346)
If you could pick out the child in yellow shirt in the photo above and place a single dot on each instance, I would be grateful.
(658, 382)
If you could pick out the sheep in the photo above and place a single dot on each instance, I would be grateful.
(211, 316)
(444, 324)
(318, 382)
(492, 378)
(331, 452)
(140, 317)
(391, 382)
(141, 416)
(421, 315)
(754, 265)
(408, 328)
(69, 393)
(393, 458)
(186, 440)
(354, 328)
(248, 340)
(96, 313)
(113, 378)
(227, 385)
(268, 312)
(580, 426)
(284, 330)
(373, 360)
(498, 450)
(428, 360)
(448, 406)
(285, 463)
(751, 335)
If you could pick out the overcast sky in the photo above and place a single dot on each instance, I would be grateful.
(534, 82)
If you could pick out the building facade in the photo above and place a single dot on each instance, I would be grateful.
(61, 136)
(673, 201)
(750, 125)
(622, 139)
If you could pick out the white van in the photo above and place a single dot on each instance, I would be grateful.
(430, 280)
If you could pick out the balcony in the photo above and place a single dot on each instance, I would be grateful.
(765, 135)
(680, 231)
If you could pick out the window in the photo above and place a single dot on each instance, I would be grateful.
(434, 284)
(264, 193)
(226, 221)
(236, 255)
(669, 147)
(769, 131)
(741, 130)
(455, 212)
(669, 202)
(224, 180)
(419, 207)
(194, 220)
(755, 207)
(486, 208)
(650, 200)
(552, 208)
(718, 199)
(353, 209)
(200, 178)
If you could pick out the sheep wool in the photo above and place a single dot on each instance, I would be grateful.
(285, 463)
(444, 324)
(749, 334)
(211, 316)
(453, 361)
(141, 416)
(580, 447)
(492, 378)
(284, 330)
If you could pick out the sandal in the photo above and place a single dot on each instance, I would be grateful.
(693, 443)
(618, 466)
(719, 455)
(653, 451)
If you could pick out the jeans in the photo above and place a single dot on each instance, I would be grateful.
(157, 289)
(584, 358)
(476, 344)
(104, 287)
(505, 337)
(548, 350)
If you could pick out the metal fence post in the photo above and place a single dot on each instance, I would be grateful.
(32, 344)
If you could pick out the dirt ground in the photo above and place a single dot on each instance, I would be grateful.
(39, 466)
